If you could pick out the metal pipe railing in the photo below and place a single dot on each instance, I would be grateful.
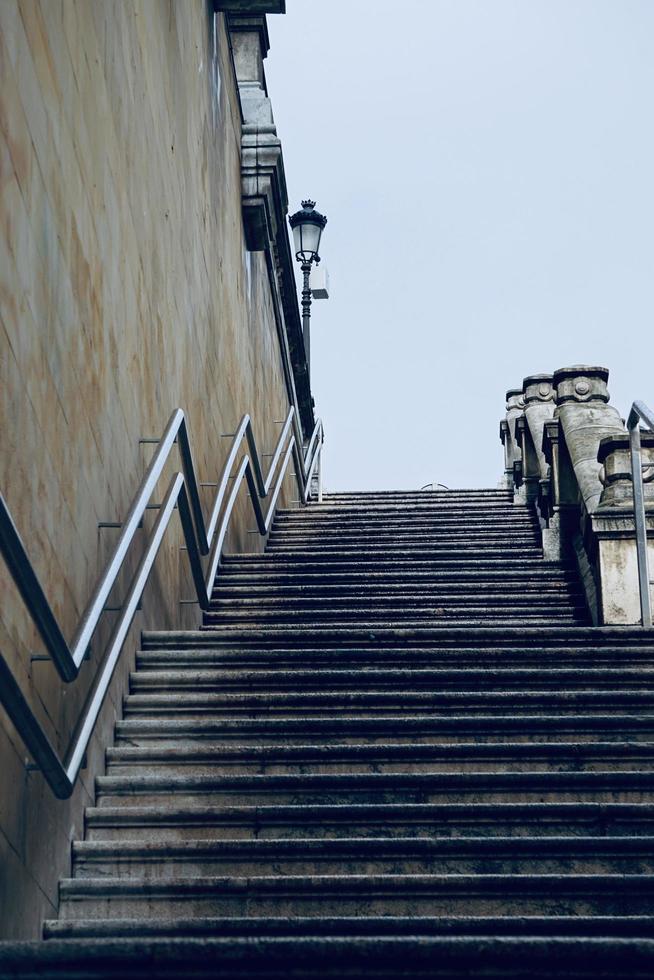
(201, 540)
(638, 415)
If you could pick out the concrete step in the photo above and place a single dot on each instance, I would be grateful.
(355, 701)
(601, 786)
(292, 895)
(398, 678)
(554, 726)
(219, 758)
(364, 856)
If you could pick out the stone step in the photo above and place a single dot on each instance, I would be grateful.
(268, 632)
(466, 492)
(173, 822)
(385, 550)
(395, 513)
(400, 524)
(413, 550)
(475, 512)
(220, 758)
(385, 554)
(377, 702)
(396, 716)
(410, 500)
(363, 633)
(373, 503)
(317, 956)
(292, 895)
(364, 925)
(408, 600)
(468, 637)
(338, 526)
(370, 618)
(536, 575)
(383, 511)
(419, 513)
(364, 856)
(500, 786)
(333, 587)
(527, 567)
(396, 658)
(390, 540)
(399, 678)
(555, 727)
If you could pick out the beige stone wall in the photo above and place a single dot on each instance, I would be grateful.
(125, 291)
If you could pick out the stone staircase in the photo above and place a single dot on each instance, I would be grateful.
(396, 747)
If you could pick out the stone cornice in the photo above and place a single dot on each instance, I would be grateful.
(264, 195)
(250, 6)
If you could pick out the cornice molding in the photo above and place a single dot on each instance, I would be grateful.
(248, 7)
(264, 196)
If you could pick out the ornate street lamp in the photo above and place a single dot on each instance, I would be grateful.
(307, 226)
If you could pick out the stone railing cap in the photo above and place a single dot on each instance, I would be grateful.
(532, 379)
(609, 444)
(512, 392)
(587, 370)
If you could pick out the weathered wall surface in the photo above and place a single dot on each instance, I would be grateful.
(125, 291)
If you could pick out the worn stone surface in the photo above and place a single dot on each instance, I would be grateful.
(126, 290)
(614, 458)
(617, 565)
(514, 408)
(540, 402)
(586, 418)
(584, 464)
(297, 772)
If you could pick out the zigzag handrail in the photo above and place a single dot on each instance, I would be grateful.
(200, 539)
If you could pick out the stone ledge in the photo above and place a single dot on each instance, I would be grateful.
(250, 6)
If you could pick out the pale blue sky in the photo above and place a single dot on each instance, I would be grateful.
(487, 168)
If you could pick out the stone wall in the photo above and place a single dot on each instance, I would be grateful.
(125, 291)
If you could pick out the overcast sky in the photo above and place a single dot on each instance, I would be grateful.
(487, 168)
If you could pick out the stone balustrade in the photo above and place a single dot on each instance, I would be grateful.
(566, 450)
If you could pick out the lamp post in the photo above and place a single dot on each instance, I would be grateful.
(307, 226)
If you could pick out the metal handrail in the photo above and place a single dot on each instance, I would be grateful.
(200, 539)
(638, 415)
